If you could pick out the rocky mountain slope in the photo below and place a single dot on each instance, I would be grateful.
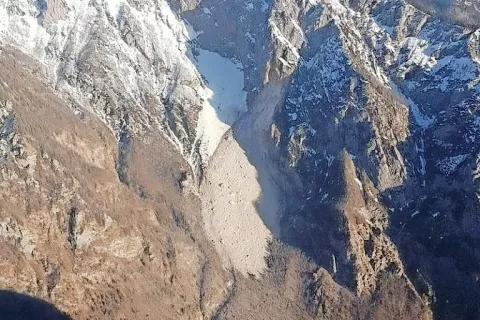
(276, 159)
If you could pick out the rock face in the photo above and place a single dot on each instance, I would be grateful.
(72, 233)
(281, 159)
(363, 125)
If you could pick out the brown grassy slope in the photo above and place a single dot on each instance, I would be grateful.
(73, 234)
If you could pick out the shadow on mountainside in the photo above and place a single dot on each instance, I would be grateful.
(440, 256)
(17, 306)
(433, 219)
(434, 225)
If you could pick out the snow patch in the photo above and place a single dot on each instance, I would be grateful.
(417, 53)
(113, 6)
(450, 164)
(21, 29)
(421, 119)
(250, 38)
(360, 184)
(460, 69)
(224, 98)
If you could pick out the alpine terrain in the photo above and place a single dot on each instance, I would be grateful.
(240, 159)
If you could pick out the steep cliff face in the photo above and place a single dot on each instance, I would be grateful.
(72, 233)
(365, 123)
(131, 64)
(321, 154)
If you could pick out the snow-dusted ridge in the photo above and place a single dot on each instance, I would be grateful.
(140, 49)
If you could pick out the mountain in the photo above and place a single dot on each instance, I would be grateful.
(272, 159)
